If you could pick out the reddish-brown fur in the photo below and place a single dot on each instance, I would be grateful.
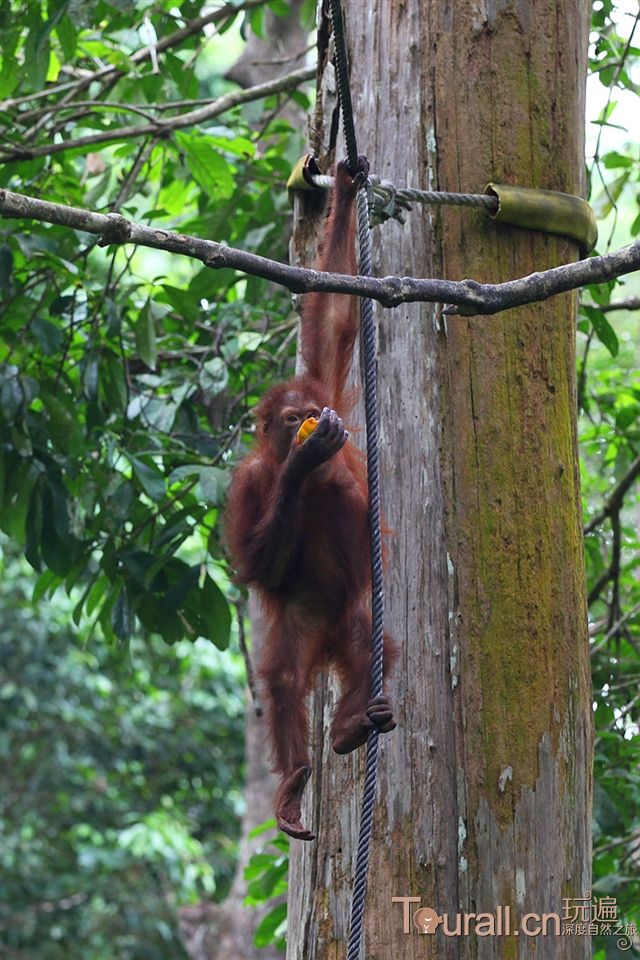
(297, 530)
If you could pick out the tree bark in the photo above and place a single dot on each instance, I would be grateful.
(484, 793)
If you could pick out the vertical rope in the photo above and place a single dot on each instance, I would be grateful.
(344, 89)
(368, 342)
(369, 352)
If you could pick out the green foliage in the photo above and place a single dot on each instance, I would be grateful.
(610, 438)
(118, 773)
(613, 56)
(609, 397)
(126, 381)
(266, 874)
(126, 376)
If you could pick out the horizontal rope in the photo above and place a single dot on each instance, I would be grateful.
(388, 201)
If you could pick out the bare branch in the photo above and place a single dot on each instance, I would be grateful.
(84, 107)
(164, 128)
(241, 611)
(633, 303)
(611, 509)
(469, 296)
(614, 502)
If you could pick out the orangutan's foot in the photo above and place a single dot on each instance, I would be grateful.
(353, 732)
(287, 803)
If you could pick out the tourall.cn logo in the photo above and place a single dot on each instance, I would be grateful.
(584, 916)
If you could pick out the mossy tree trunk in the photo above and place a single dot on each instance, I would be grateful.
(485, 788)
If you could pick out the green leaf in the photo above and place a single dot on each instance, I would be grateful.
(603, 329)
(50, 337)
(115, 56)
(10, 72)
(271, 882)
(214, 376)
(249, 341)
(67, 35)
(36, 49)
(182, 301)
(207, 612)
(257, 20)
(608, 198)
(266, 929)
(118, 504)
(66, 430)
(175, 596)
(227, 141)
(177, 528)
(601, 292)
(90, 378)
(112, 383)
(121, 618)
(213, 483)
(60, 500)
(11, 398)
(47, 581)
(301, 98)
(58, 554)
(33, 527)
(62, 305)
(139, 563)
(280, 7)
(21, 441)
(209, 168)
(145, 333)
(106, 611)
(9, 77)
(30, 388)
(151, 479)
(20, 480)
(613, 159)
(184, 79)
(96, 593)
(157, 619)
(6, 268)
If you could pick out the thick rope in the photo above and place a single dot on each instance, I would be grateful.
(390, 201)
(369, 352)
(344, 88)
(368, 343)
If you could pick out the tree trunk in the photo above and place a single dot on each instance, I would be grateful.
(282, 48)
(484, 793)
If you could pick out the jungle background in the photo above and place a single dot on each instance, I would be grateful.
(127, 378)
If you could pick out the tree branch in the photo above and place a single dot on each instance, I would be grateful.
(614, 502)
(632, 304)
(164, 127)
(611, 509)
(468, 297)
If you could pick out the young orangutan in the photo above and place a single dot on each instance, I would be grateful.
(297, 530)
